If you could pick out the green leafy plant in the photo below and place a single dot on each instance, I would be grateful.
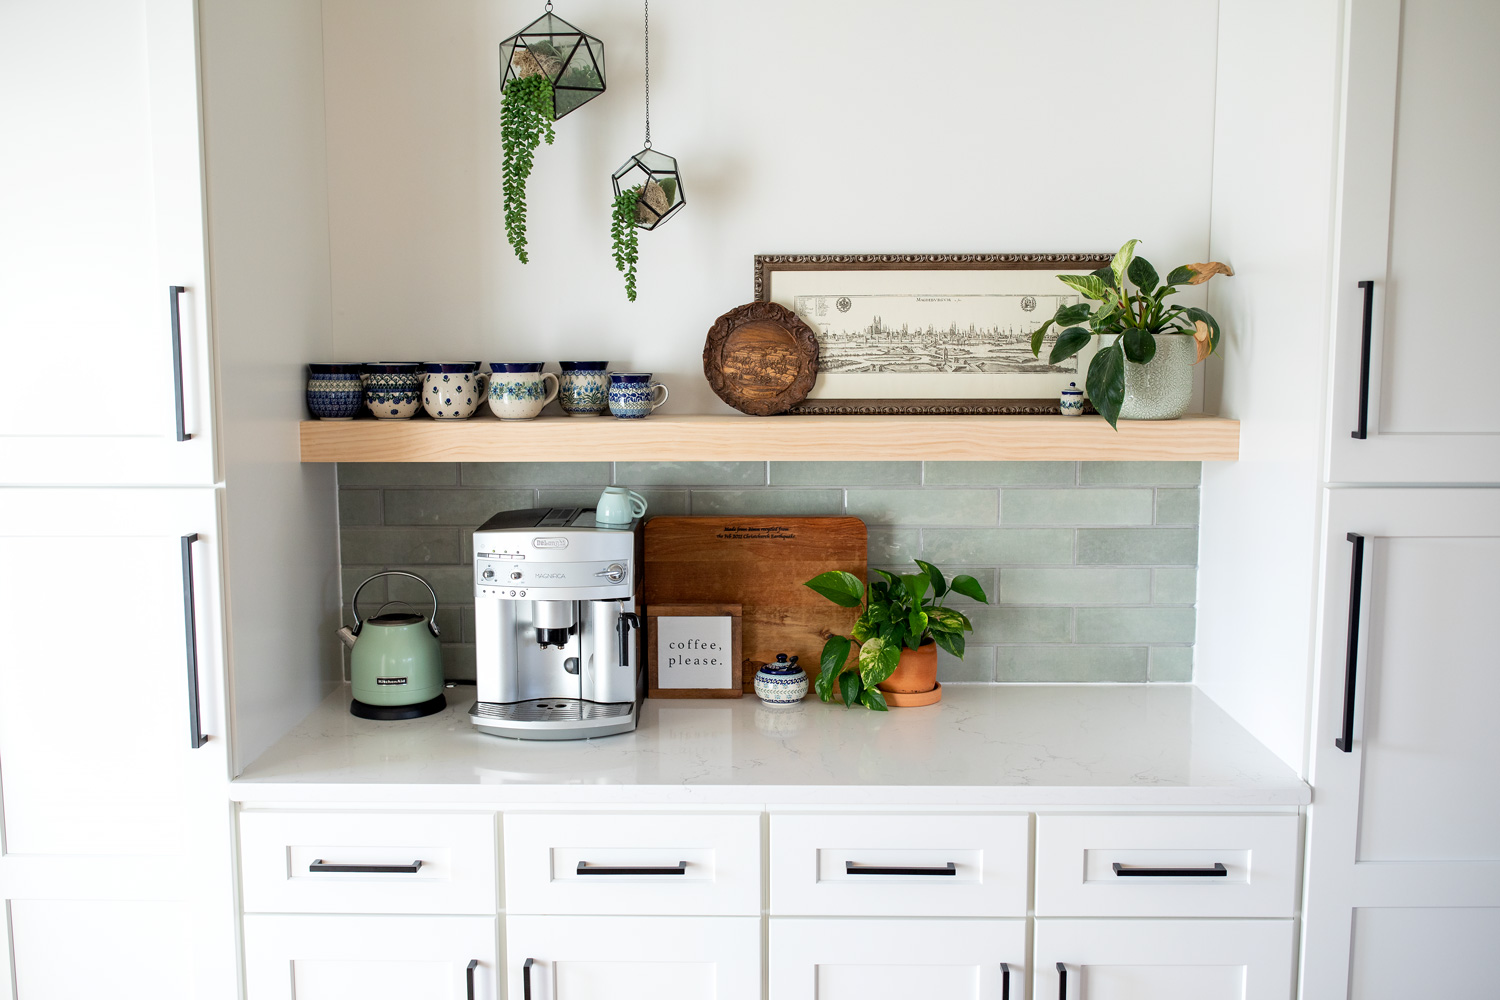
(1132, 318)
(626, 237)
(525, 121)
(900, 612)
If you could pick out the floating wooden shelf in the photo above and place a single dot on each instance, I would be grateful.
(664, 438)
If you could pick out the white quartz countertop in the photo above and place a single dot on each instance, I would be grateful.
(1049, 744)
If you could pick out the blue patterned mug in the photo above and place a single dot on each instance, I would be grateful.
(393, 389)
(334, 391)
(632, 395)
(518, 390)
(583, 388)
(452, 390)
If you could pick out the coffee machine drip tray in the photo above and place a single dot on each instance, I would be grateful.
(553, 718)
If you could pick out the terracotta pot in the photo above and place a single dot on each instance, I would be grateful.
(916, 673)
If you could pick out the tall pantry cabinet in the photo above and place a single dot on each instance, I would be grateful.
(139, 440)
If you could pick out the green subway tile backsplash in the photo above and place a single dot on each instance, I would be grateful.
(1090, 567)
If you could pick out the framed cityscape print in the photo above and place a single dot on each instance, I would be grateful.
(929, 333)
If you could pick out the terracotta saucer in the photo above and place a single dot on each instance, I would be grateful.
(897, 700)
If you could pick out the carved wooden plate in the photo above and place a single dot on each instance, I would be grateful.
(761, 358)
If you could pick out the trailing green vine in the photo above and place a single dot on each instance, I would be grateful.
(626, 237)
(525, 120)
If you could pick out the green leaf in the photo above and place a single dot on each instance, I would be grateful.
(873, 700)
(1143, 275)
(939, 585)
(1194, 313)
(890, 577)
(953, 642)
(1105, 275)
(1090, 285)
(835, 655)
(948, 620)
(969, 587)
(1181, 275)
(843, 589)
(916, 586)
(1069, 342)
(1121, 263)
(877, 661)
(1075, 313)
(849, 688)
(1038, 335)
(864, 628)
(917, 623)
(1106, 382)
(1140, 346)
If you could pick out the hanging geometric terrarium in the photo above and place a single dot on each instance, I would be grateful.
(572, 61)
(657, 183)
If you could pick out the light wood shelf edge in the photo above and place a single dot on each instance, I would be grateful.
(664, 438)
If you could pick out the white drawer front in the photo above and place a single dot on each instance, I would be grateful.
(1158, 858)
(632, 863)
(896, 865)
(280, 852)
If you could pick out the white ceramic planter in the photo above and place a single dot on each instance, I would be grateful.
(1162, 388)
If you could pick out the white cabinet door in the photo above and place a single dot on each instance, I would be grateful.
(891, 959)
(632, 958)
(1163, 960)
(349, 957)
(1405, 808)
(103, 794)
(1417, 204)
(102, 196)
(124, 950)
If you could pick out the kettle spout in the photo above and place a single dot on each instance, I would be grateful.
(347, 635)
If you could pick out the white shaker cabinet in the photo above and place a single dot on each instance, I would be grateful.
(1417, 209)
(102, 195)
(1403, 856)
(112, 738)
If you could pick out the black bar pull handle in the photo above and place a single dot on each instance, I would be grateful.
(174, 295)
(190, 627)
(1351, 648)
(584, 868)
(1217, 869)
(1364, 362)
(469, 976)
(1062, 981)
(850, 868)
(319, 865)
(1004, 981)
(526, 979)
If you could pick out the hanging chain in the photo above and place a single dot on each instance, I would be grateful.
(549, 6)
(648, 74)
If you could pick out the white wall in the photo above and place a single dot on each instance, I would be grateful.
(800, 126)
(1272, 194)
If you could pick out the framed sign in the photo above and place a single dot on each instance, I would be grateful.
(929, 333)
(693, 651)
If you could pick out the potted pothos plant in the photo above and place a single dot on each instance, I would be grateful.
(525, 122)
(904, 622)
(1119, 382)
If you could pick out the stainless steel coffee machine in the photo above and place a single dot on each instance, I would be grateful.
(557, 640)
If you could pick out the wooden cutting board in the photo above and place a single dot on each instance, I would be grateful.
(759, 563)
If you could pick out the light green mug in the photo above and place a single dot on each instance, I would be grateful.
(617, 505)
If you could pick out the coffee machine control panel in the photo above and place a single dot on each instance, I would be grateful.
(508, 575)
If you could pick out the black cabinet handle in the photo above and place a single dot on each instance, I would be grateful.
(1217, 869)
(190, 626)
(469, 976)
(1062, 981)
(323, 866)
(526, 979)
(174, 293)
(1004, 981)
(850, 868)
(1351, 649)
(1364, 362)
(584, 868)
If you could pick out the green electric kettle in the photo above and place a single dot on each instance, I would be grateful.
(396, 664)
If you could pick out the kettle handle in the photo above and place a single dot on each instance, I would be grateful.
(431, 621)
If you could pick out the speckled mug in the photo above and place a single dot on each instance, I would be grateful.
(453, 390)
(393, 389)
(518, 390)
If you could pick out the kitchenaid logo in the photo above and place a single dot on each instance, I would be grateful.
(385, 681)
(549, 543)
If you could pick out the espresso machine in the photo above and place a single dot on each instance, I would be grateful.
(557, 640)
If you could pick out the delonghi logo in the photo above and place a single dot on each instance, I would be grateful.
(554, 542)
(550, 576)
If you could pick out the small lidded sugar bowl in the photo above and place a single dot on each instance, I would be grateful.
(781, 683)
(1071, 401)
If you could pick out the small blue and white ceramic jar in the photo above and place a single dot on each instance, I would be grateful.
(632, 395)
(519, 389)
(452, 390)
(393, 389)
(335, 391)
(781, 683)
(583, 388)
(1072, 401)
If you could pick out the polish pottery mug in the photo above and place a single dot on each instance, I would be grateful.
(452, 390)
(393, 389)
(335, 391)
(632, 395)
(583, 388)
(617, 505)
(519, 390)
